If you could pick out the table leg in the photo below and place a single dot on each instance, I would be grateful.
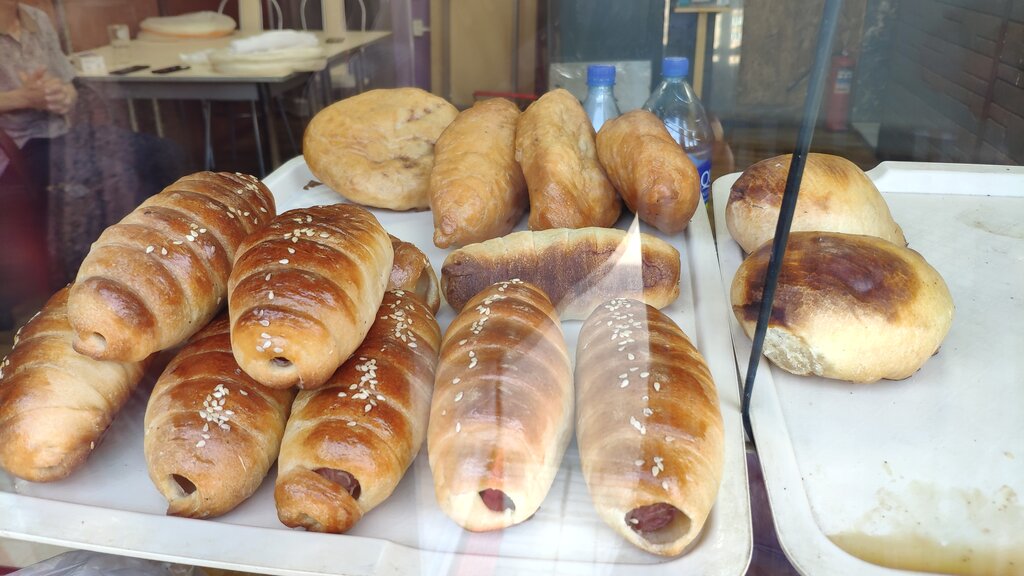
(699, 53)
(259, 141)
(275, 153)
(208, 161)
(133, 121)
(156, 117)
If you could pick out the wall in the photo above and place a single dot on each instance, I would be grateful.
(955, 90)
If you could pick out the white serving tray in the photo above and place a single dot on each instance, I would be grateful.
(923, 473)
(111, 506)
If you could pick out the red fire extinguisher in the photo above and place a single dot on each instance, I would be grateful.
(837, 108)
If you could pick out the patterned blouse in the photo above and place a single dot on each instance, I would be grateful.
(38, 48)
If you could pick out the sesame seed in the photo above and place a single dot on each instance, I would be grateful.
(412, 344)
(278, 350)
(291, 250)
(472, 363)
(664, 485)
(645, 374)
(472, 354)
(456, 380)
(367, 408)
(177, 242)
(267, 277)
(243, 392)
(458, 396)
(190, 238)
(325, 235)
(264, 323)
(638, 425)
(655, 471)
(342, 395)
(201, 443)
(259, 348)
(92, 445)
(149, 249)
(638, 462)
(267, 344)
(262, 209)
(163, 251)
(351, 423)
(264, 335)
(657, 386)
(202, 230)
(648, 412)
(270, 295)
(458, 427)
(634, 521)
(463, 342)
(624, 383)
(283, 261)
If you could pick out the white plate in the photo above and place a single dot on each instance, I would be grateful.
(923, 473)
(110, 505)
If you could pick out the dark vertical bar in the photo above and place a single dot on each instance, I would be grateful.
(829, 19)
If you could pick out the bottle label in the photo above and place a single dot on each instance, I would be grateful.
(704, 169)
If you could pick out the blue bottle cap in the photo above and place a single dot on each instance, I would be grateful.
(675, 67)
(600, 75)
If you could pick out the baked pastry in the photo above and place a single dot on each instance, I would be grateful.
(413, 273)
(555, 146)
(477, 189)
(835, 196)
(648, 426)
(501, 415)
(650, 170)
(160, 274)
(304, 291)
(349, 443)
(847, 307)
(578, 269)
(55, 404)
(212, 432)
(377, 148)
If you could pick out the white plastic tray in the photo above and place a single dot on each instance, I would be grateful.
(923, 474)
(111, 506)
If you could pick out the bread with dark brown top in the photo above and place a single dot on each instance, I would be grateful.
(578, 269)
(304, 292)
(652, 173)
(501, 415)
(567, 185)
(648, 426)
(160, 274)
(55, 404)
(349, 443)
(835, 196)
(212, 432)
(848, 307)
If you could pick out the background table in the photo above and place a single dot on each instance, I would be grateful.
(201, 82)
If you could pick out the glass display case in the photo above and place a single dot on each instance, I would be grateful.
(512, 286)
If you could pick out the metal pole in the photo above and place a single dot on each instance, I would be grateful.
(812, 104)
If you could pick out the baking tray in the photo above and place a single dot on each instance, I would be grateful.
(922, 475)
(111, 506)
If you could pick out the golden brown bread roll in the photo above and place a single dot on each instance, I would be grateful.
(555, 147)
(650, 170)
(835, 196)
(847, 307)
(501, 415)
(349, 443)
(413, 273)
(304, 291)
(578, 269)
(648, 426)
(477, 189)
(212, 432)
(160, 274)
(377, 148)
(55, 404)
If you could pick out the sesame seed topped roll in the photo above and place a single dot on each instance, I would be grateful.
(212, 432)
(349, 443)
(304, 292)
(501, 415)
(160, 274)
(648, 426)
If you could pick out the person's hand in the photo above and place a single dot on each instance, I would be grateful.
(33, 89)
(60, 97)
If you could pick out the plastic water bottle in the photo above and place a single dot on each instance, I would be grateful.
(600, 104)
(675, 102)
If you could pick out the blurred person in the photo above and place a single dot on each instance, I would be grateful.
(118, 168)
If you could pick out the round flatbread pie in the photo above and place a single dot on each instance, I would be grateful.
(377, 148)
